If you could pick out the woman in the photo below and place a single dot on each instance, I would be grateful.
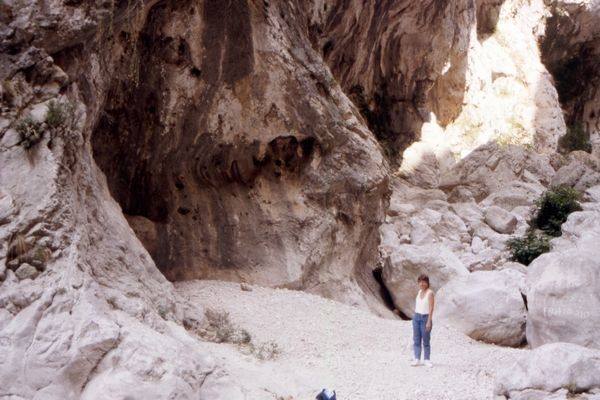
(422, 321)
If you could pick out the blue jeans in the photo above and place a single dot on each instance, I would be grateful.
(420, 333)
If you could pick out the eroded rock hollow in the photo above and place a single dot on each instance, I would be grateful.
(233, 152)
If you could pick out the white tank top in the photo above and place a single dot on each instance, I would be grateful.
(422, 304)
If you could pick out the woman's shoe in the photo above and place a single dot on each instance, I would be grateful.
(415, 363)
(428, 364)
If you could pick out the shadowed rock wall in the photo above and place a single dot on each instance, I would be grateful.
(571, 52)
(235, 154)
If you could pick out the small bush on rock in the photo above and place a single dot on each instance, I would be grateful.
(553, 209)
(56, 114)
(220, 329)
(8, 92)
(17, 247)
(527, 248)
(30, 132)
(163, 312)
(41, 255)
(266, 351)
(576, 138)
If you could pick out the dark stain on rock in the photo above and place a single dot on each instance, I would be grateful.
(226, 231)
(130, 122)
(219, 164)
(227, 39)
(183, 210)
(195, 72)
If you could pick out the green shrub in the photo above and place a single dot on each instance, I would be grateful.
(30, 132)
(163, 311)
(527, 248)
(56, 114)
(576, 138)
(553, 209)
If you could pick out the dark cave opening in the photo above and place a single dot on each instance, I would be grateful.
(385, 294)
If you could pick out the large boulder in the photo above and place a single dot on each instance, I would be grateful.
(580, 171)
(408, 261)
(592, 194)
(494, 239)
(469, 212)
(516, 266)
(551, 370)
(491, 168)
(481, 258)
(564, 286)
(430, 226)
(7, 207)
(515, 194)
(485, 305)
(420, 165)
(500, 220)
(403, 192)
(388, 239)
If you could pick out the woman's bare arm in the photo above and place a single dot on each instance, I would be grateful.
(431, 306)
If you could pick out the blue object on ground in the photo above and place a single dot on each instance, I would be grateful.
(326, 394)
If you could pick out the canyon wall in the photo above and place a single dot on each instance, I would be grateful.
(143, 142)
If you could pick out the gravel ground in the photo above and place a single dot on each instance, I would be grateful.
(328, 344)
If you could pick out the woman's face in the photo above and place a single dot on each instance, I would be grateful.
(423, 285)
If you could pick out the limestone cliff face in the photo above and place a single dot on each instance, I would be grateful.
(571, 50)
(475, 76)
(395, 72)
(224, 141)
(231, 147)
(148, 141)
(508, 95)
(224, 137)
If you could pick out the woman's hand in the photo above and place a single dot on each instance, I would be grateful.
(428, 325)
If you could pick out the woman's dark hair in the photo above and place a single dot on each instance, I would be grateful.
(423, 278)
